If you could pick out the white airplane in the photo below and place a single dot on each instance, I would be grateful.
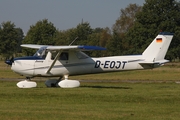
(64, 61)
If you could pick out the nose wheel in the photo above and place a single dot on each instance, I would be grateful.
(26, 84)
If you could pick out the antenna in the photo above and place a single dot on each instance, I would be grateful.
(73, 41)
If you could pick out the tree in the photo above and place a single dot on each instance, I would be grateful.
(20, 37)
(85, 35)
(127, 18)
(156, 15)
(99, 37)
(43, 32)
(10, 38)
(83, 30)
(81, 33)
(118, 44)
(115, 44)
(66, 37)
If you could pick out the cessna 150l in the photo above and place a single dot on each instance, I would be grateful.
(63, 61)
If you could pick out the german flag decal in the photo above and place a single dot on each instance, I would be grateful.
(158, 40)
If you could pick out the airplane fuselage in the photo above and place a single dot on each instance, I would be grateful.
(34, 66)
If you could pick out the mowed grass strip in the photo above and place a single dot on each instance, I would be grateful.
(100, 101)
(103, 100)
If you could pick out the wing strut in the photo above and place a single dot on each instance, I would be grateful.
(55, 59)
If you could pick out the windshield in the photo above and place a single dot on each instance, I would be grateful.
(41, 52)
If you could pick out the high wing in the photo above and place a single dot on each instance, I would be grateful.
(79, 47)
(33, 46)
(49, 47)
(60, 48)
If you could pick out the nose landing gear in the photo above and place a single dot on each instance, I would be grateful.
(26, 83)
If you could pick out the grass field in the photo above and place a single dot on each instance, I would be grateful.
(100, 101)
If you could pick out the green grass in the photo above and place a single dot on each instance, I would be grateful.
(100, 101)
(128, 101)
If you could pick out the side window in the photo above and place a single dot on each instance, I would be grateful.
(64, 56)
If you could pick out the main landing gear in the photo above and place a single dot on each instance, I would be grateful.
(63, 83)
(50, 83)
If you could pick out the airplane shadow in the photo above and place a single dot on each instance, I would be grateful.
(105, 87)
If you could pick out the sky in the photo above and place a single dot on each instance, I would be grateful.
(64, 14)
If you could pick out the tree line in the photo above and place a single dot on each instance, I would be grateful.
(131, 33)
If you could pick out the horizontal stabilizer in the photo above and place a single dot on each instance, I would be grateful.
(156, 62)
(151, 65)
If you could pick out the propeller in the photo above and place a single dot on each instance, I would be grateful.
(10, 61)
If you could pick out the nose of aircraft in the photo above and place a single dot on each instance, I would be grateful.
(10, 61)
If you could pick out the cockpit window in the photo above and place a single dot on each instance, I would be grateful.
(41, 52)
(81, 55)
(62, 56)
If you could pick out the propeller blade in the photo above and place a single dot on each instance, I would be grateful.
(10, 61)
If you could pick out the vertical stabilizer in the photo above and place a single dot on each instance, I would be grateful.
(157, 50)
